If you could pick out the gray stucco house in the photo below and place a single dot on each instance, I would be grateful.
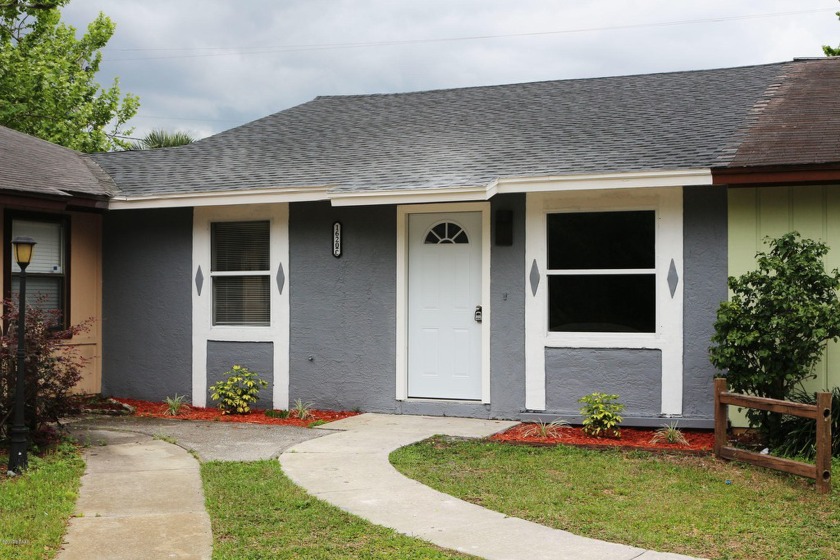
(490, 252)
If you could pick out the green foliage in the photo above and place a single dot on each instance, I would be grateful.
(238, 391)
(51, 368)
(47, 79)
(772, 332)
(159, 138)
(302, 410)
(546, 429)
(316, 423)
(601, 414)
(829, 50)
(277, 413)
(669, 433)
(174, 404)
(800, 434)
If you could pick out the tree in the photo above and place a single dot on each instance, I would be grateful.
(47, 78)
(772, 332)
(829, 50)
(159, 138)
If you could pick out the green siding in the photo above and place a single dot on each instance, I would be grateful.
(813, 211)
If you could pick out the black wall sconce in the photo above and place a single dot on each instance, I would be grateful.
(504, 228)
(336, 239)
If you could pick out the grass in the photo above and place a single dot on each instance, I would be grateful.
(670, 503)
(35, 507)
(257, 512)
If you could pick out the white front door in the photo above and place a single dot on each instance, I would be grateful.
(444, 291)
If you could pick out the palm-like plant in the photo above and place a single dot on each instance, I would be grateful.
(159, 138)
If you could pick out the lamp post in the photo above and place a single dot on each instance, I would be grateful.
(18, 460)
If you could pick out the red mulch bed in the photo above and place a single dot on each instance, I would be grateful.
(698, 441)
(188, 412)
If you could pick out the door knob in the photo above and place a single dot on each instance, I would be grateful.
(477, 313)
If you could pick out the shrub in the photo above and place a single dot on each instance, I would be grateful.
(238, 391)
(51, 369)
(601, 414)
(772, 332)
(542, 429)
(302, 410)
(800, 434)
(174, 404)
(669, 433)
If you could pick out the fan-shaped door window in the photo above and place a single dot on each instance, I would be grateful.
(446, 232)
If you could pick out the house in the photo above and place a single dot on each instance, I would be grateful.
(490, 252)
(58, 197)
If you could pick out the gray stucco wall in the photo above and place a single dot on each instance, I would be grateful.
(256, 356)
(634, 375)
(705, 271)
(147, 303)
(343, 311)
(507, 321)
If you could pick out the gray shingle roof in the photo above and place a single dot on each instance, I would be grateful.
(466, 137)
(34, 166)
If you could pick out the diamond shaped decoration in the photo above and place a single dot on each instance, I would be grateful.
(281, 278)
(199, 280)
(673, 278)
(534, 277)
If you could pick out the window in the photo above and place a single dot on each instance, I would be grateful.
(46, 275)
(446, 232)
(601, 272)
(240, 272)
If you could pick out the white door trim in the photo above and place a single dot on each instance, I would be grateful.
(202, 326)
(402, 289)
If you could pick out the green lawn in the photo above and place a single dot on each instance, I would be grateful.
(257, 512)
(35, 507)
(664, 502)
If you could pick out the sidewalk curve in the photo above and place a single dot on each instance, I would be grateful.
(140, 498)
(350, 469)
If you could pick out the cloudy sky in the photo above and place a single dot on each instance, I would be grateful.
(205, 66)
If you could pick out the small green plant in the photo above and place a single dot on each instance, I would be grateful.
(601, 414)
(302, 410)
(669, 433)
(800, 434)
(166, 438)
(542, 429)
(316, 423)
(238, 391)
(174, 404)
(277, 413)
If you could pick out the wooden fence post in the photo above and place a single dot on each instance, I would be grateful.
(823, 462)
(721, 416)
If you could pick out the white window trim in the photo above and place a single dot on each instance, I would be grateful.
(668, 338)
(204, 330)
(402, 289)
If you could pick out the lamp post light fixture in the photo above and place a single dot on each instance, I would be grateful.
(18, 460)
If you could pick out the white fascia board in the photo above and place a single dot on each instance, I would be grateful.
(429, 195)
(602, 181)
(227, 198)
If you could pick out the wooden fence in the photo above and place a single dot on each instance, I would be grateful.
(820, 413)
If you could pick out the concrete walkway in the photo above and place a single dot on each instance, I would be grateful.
(140, 498)
(350, 469)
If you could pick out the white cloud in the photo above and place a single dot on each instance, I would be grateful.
(169, 42)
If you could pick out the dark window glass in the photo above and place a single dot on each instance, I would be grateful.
(239, 246)
(241, 300)
(446, 232)
(601, 240)
(602, 303)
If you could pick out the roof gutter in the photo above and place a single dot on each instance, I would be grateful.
(224, 198)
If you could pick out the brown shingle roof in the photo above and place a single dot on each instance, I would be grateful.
(798, 122)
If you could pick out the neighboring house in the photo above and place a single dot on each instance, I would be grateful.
(785, 176)
(57, 197)
(492, 251)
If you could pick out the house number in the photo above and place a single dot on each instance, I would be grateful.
(337, 239)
